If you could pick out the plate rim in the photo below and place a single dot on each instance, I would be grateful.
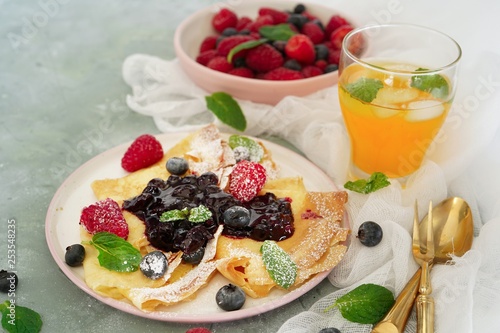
(167, 316)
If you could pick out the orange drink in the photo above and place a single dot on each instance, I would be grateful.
(392, 106)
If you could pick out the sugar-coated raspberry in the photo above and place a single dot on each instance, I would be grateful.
(246, 180)
(219, 63)
(314, 32)
(228, 43)
(264, 58)
(278, 16)
(311, 71)
(335, 22)
(301, 48)
(198, 330)
(242, 71)
(204, 57)
(261, 21)
(208, 43)
(282, 74)
(143, 152)
(243, 23)
(338, 35)
(105, 215)
(225, 18)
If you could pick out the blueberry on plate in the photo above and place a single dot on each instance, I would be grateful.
(154, 265)
(370, 233)
(74, 255)
(177, 166)
(230, 297)
(236, 217)
(195, 257)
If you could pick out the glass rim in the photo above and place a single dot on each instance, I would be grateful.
(407, 25)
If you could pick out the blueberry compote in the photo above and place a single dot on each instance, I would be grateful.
(271, 218)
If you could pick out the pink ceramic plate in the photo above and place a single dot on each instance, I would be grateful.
(62, 230)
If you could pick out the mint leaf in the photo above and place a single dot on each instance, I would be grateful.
(115, 253)
(19, 319)
(254, 149)
(376, 181)
(366, 304)
(174, 215)
(227, 109)
(244, 46)
(277, 32)
(278, 263)
(434, 84)
(364, 89)
(199, 214)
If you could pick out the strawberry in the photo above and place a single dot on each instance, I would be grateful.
(143, 152)
(219, 63)
(242, 71)
(338, 35)
(228, 43)
(314, 32)
(264, 58)
(225, 18)
(246, 180)
(208, 43)
(278, 16)
(282, 74)
(198, 330)
(310, 71)
(105, 215)
(204, 57)
(301, 48)
(335, 22)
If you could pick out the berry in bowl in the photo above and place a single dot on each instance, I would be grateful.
(262, 51)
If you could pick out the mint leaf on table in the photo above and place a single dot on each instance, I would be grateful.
(278, 263)
(364, 89)
(244, 46)
(434, 84)
(277, 32)
(227, 109)
(376, 181)
(366, 304)
(115, 253)
(19, 319)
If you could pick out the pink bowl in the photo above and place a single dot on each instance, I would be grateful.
(196, 27)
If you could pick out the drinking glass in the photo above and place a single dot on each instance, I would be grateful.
(396, 87)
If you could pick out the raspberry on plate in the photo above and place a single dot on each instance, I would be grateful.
(143, 152)
(264, 58)
(246, 180)
(301, 48)
(225, 18)
(283, 74)
(105, 215)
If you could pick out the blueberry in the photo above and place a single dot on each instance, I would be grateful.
(177, 166)
(299, 9)
(230, 297)
(195, 257)
(8, 281)
(293, 65)
(229, 32)
(241, 153)
(74, 255)
(322, 52)
(370, 233)
(329, 330)
(279, 45)
(236, 217)
(331, 68)
(297, 20)
(154, 265)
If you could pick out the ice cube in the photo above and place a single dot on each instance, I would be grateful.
(424, 110)
(391, 96)
(385, 112)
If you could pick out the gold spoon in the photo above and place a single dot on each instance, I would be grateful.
(453, 233)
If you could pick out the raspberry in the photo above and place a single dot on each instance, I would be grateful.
(246, 180)
(243, 23)
(143, 152)
(334, 57)
(334, 22)
(260, 22)
(278, 16)
(198, 330)
(264, 58)
(321, 64)
(310, 71)
(301, 48)
(228, 43)
(242, 71)
(204, 57)
(225, 18)
(314, 32)
(338, 35)
(282, 74)
(220, 64)
(104, 215)
(208, 43)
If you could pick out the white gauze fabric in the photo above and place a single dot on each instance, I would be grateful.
(464, 161)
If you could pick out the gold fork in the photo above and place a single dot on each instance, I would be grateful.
(423, 252)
